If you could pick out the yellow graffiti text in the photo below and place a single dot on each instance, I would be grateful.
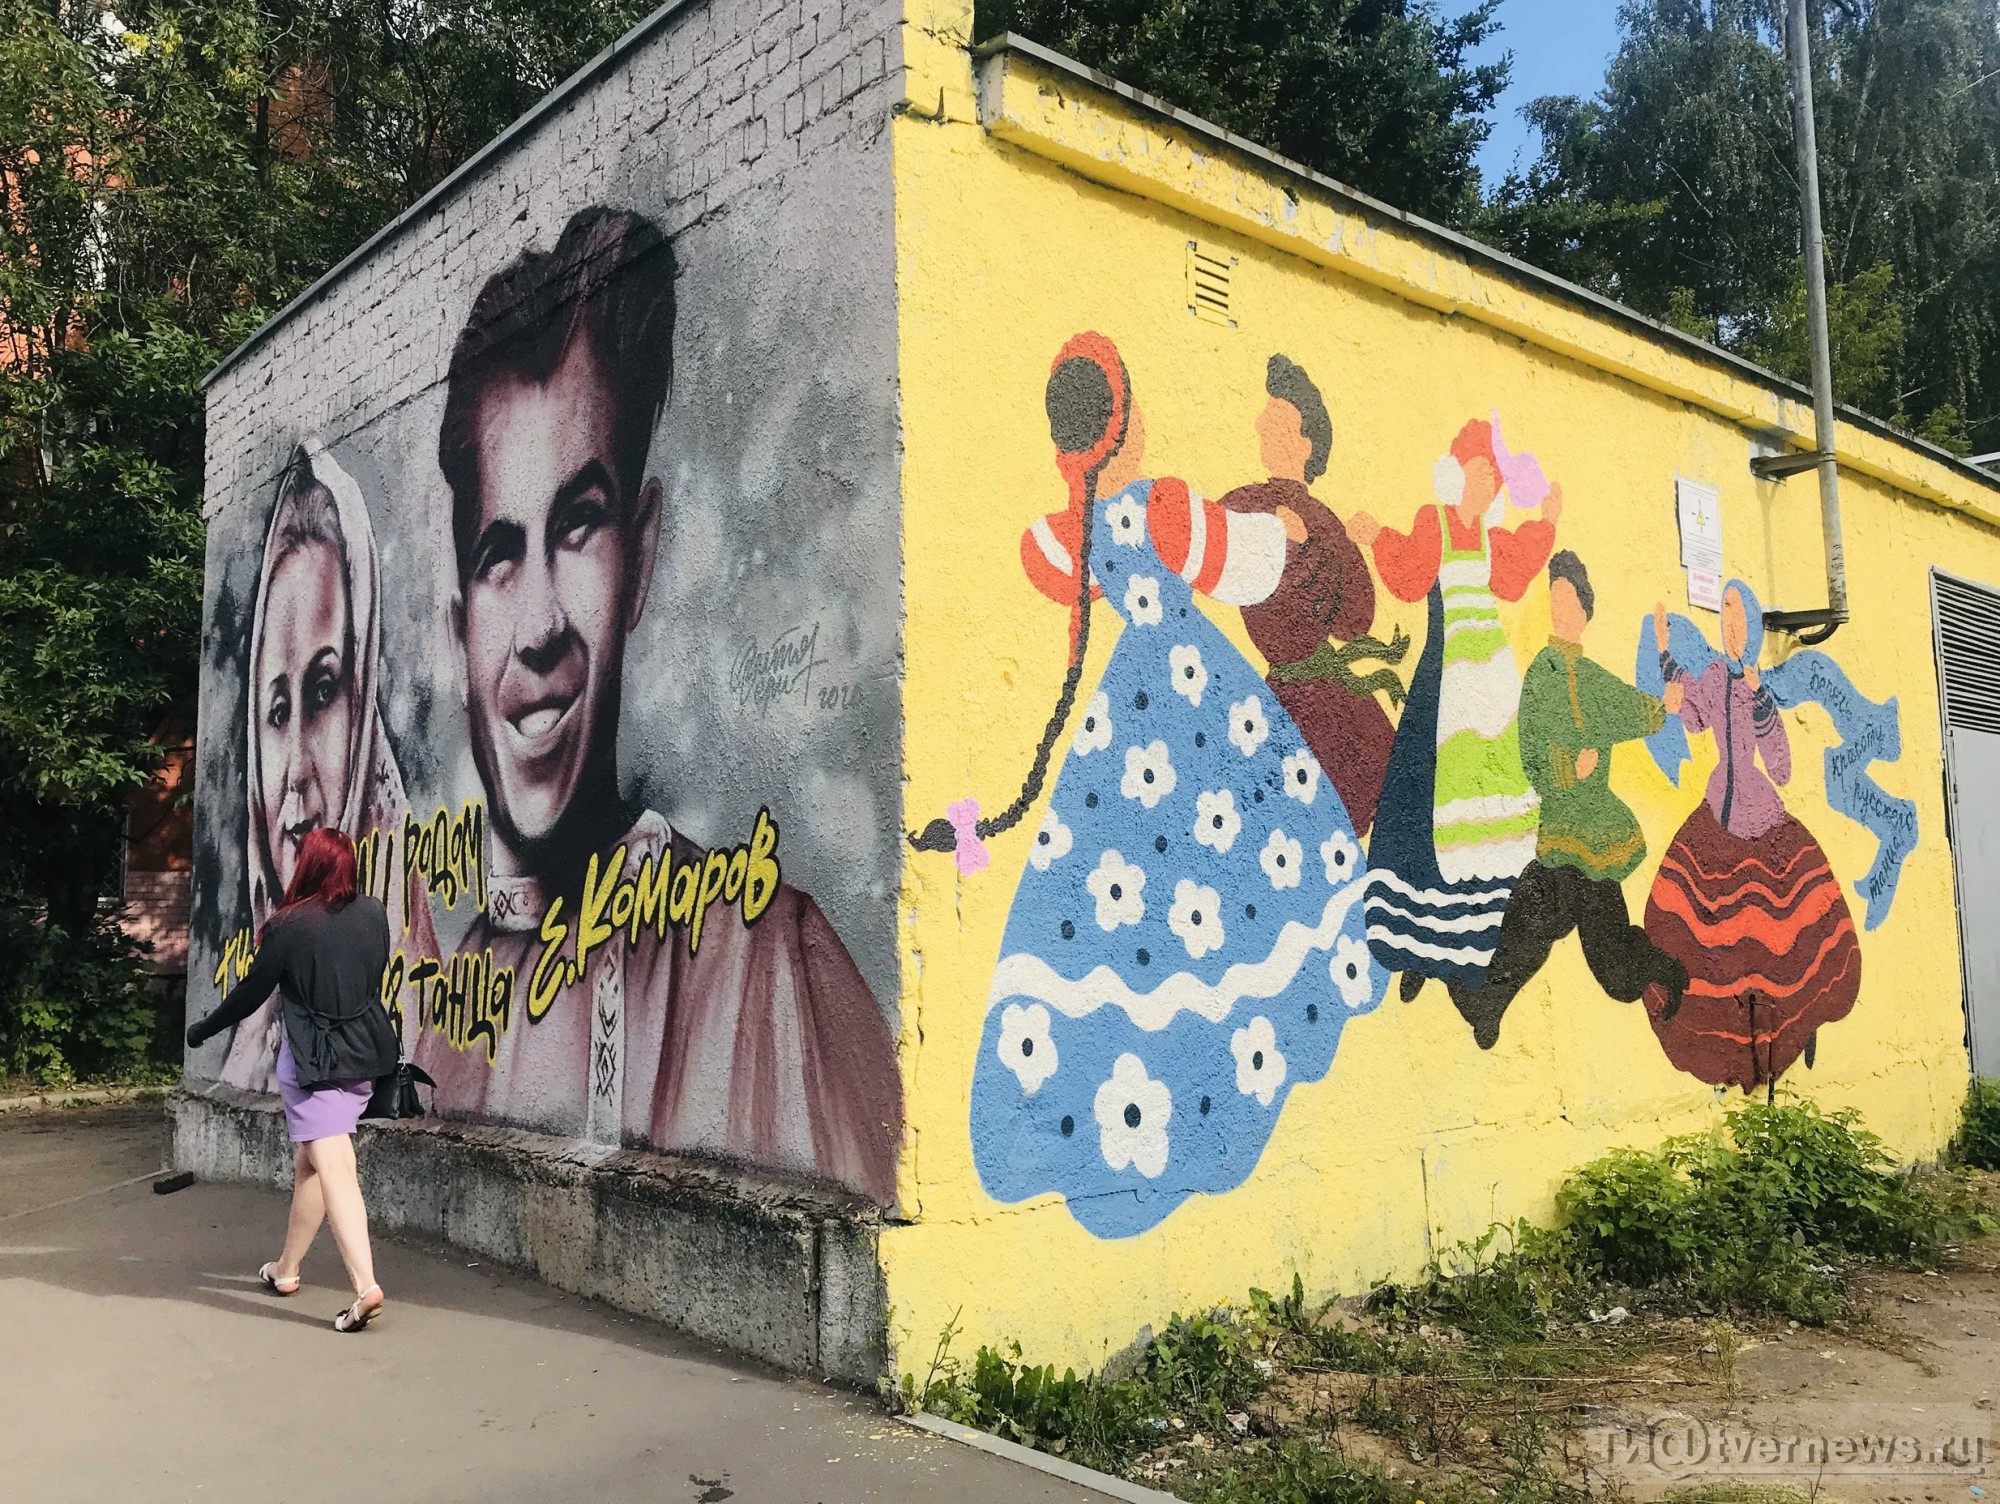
(375, 865)
(392, 996)
(449, 853)
(547, 978)
(656, 895)
(238, 952)
(468, 999)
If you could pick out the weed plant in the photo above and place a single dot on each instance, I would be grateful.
(1764, 1218)
(1197, 1371)
(1978, 1143)
(1474, 1369)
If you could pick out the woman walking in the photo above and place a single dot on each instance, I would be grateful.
(323, 952)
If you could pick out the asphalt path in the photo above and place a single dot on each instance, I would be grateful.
(141, 1361)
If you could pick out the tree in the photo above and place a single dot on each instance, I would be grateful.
(1864, 330)
(170, 173)
(1546, 218)
(1376, 93)
(1675, 190)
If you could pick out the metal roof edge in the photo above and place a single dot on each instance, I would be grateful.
(1510, 266)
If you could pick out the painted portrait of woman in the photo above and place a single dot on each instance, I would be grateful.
(315, 754)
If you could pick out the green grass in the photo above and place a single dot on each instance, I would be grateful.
(1474, 1374)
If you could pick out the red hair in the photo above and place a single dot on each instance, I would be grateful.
(325, 873)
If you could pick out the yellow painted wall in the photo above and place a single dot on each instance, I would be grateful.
(1079, 220)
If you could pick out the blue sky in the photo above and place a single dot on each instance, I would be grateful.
(1559, 47)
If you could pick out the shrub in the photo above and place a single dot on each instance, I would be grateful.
(1764, 1216)
(1814, 1178)
(1760, 1217)
(1629, 1213)
(81, 1010)
(1978, 1141)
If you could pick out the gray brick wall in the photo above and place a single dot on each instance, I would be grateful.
(739, 94)
(755, 133)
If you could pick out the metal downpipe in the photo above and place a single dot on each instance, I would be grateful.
(1815, 626)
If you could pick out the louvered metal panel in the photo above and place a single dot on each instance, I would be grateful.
(1968, 651)
(1209, 274)
(1966, 622)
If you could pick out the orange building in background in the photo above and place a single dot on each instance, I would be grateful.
(159, 848)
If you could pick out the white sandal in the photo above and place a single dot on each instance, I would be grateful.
(276, 1284)
(353, 1319)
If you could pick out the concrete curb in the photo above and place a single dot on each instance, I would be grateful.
(781, 1270)
(83, 1096)
(1042, 1462)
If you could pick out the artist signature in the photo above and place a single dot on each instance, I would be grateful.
(764, 674)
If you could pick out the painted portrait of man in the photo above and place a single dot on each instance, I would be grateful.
(752, 1035)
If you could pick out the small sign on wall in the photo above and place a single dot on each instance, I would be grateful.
(1700, 508)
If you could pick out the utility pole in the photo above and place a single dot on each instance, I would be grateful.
(1813, 626)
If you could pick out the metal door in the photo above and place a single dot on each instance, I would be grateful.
(1967, 624)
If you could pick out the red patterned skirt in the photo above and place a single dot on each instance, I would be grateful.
(1764, 931)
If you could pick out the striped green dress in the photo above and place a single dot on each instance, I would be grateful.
(1485, 811)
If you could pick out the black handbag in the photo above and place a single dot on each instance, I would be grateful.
(396, 1093)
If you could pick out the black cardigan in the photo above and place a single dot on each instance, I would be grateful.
(326, 966)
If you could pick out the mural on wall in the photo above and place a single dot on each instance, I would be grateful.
(1197, 916)
(315, 752)
(1313, 629)
(1187, 940)
(1745, 898)
(612, 977)
(1573, 712)
(1458, 814)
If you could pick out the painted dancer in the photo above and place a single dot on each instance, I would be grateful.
(1186, 941)
(762, 1044)
(1457, 819)
(1573, 712)
(1313, 629)
(1745, 898)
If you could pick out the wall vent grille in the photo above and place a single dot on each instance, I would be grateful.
(1968, 645)
(1209, 275)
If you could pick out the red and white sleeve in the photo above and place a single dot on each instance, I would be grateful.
(1234, 557)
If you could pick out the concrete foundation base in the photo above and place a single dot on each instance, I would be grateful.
(780, 1271)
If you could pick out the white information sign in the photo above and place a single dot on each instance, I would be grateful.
(1700, 508)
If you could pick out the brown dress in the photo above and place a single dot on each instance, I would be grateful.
(1326, 592)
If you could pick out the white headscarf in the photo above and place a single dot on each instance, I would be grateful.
(375, 798)
(374, 794)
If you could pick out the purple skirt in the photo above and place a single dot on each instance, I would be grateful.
(326, 1113)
